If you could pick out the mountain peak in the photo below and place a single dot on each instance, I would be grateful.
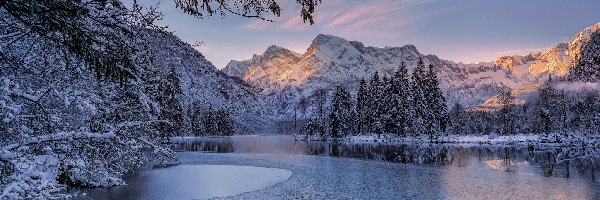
(324, 39)
(275, 48)
(594, 27)
(276, 51)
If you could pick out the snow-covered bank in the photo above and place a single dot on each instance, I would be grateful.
(566, 140)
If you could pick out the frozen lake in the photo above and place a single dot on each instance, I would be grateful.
(277, 167)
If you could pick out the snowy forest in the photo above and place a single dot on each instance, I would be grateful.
(92, 91)
(412, 106)
(89, 93)
(403, 105)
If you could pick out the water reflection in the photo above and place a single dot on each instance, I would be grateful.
(563, 162)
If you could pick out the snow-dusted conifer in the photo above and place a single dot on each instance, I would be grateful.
(339, 118)
(419, 101)
(403, 100)
(170, 104)
(362, 107)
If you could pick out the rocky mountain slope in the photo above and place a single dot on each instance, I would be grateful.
(332, 61)
(532, 69)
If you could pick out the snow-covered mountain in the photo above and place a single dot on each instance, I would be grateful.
(556, 60)
(286, 76)
(532, 69)
(332, 61)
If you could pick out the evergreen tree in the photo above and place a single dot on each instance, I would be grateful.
(388, 107)
(419, 107)
(170, 109)
(224, 123)
(403, 98)
(458, 120)
(362, 107)
(543, 122)
(340, 113)
(506, 114)
(373, 104)
(437, 114)
(196, 119)
(321, 95)
(210, 128)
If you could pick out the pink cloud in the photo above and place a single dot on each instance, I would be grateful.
(350, 18)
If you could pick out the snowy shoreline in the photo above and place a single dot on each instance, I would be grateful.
(557, 140)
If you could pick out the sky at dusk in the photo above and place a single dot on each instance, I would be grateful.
(458, 30)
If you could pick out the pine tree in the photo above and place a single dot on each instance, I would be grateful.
(196, 119)
(388, 105)
(458, 120)
(224, 123)
(419, 101)
(170, 109)
(340, 113)
(362, 104)
(373, 106)
(210, 127)
(437, 114)
(321, 95)
(403, 100)
(506, 115)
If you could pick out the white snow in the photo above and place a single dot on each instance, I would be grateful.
(456, 139)
(57, 137)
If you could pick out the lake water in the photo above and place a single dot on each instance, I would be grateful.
(277, 167)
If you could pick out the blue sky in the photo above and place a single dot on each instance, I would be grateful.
(458, 30)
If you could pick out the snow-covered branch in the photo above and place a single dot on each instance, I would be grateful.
(140, 123)
(64, 136)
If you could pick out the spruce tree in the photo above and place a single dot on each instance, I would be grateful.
(224, 123)
(458, 119)
(389, 112)
(196, 119)
(506, 114)
(419, 107)
(403, 98)
(210, 127)
(362, 107)
(321, 95)
(373, 107)
(340, 113)
(170, 109)
(437, 113)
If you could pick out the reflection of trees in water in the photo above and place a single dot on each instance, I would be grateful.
(564, 162)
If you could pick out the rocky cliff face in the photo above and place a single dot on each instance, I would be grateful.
(332, 61)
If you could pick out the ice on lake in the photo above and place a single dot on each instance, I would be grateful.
(199, 182)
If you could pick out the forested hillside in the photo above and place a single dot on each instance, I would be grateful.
(91, 91)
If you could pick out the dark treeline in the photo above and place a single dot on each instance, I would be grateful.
(404, 105)
(204, 120)
(558, 106)
(211, 122)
